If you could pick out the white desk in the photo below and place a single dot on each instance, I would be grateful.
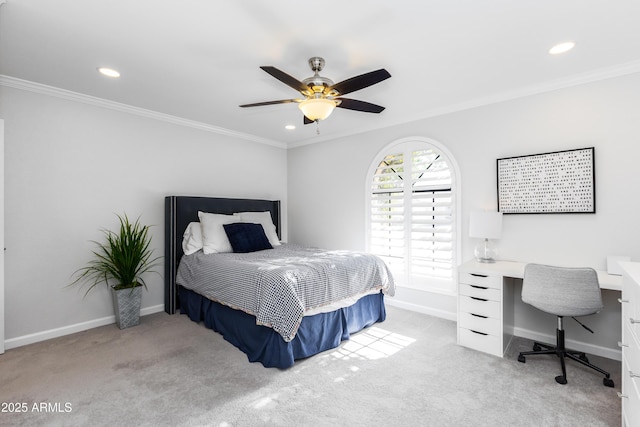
(485, 302)
(515, 270)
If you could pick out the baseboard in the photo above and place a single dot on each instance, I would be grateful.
(150, 310)
(71, 329)
(422, 309)
(597, 350)
(609, 353)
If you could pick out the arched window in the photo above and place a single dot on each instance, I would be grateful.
(412, 213)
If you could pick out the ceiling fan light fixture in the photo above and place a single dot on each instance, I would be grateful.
(317, 108)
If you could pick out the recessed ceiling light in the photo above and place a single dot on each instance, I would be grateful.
(109, 72)
(289, 127)
(561, 48)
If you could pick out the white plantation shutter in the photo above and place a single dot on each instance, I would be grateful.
(411, 216)
(387, 214)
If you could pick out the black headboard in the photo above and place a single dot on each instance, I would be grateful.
(179, 211)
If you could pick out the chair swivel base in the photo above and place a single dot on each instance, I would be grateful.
(560, 351)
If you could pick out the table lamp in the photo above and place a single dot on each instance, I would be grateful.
(485, 225)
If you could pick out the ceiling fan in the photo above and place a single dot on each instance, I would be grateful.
(321, 95)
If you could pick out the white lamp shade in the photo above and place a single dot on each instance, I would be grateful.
(485, 225)
(317, 108)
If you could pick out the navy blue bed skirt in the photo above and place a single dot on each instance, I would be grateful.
(262, 344)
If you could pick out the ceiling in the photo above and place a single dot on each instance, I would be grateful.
(197, 60)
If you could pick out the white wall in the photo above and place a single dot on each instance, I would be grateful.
(70, 167)
(327, 184)
(2, 237)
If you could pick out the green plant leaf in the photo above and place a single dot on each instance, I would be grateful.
(121, 260)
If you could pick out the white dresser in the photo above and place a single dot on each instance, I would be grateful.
(630, 344)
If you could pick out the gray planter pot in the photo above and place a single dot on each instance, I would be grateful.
(126, 304)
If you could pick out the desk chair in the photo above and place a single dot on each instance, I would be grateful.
(563, 292)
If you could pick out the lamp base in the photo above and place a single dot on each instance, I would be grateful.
(485, 252)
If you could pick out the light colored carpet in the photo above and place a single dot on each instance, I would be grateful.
(405, 371)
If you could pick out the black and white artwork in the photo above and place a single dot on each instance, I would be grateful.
(558, 182)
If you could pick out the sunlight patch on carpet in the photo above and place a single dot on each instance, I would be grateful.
(261, 403)
(371, 344)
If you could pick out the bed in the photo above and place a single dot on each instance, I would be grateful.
(257, 299)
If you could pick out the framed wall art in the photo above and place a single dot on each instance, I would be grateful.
(557, 182)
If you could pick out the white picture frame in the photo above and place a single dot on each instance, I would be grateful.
(547, 183)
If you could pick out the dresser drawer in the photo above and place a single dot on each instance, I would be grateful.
(632, 320)
(480, 306)
(481, 279)
(482, 342)
(631, 397)
(488, 325)
(630, 352)
(631, 304)
(480, 291)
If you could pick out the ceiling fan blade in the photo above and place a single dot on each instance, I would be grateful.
(260, 104)
(287, 79)
(354, 104)
(360, 82)
(307, 120)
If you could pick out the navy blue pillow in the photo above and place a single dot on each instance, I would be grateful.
(247, 237)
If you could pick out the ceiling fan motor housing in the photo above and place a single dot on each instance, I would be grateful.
(317, 83)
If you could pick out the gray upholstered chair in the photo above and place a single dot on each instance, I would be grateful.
(563, 292)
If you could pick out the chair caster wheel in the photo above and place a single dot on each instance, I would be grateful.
(536, 347)
(608, 382)
(521, 359)
(584, 358)
(561, 380)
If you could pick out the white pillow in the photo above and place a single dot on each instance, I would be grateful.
(214, 238)
(264, 219)
(192, 238)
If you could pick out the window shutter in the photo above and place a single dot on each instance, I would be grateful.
(431, 214)
(411, 217)
(387, 218)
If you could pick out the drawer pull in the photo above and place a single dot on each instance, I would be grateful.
(633, 321)
(479, 287)
(478, 275)
(620, 300)
(485, 300)
(479, 315)
(620, 395)
(476, 332)
(633, 374)
(620, 344)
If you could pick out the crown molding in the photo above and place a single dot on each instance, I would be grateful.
(544, 87)
(124, 108)
(549, 86)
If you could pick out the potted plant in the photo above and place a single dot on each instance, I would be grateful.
(120, 263)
